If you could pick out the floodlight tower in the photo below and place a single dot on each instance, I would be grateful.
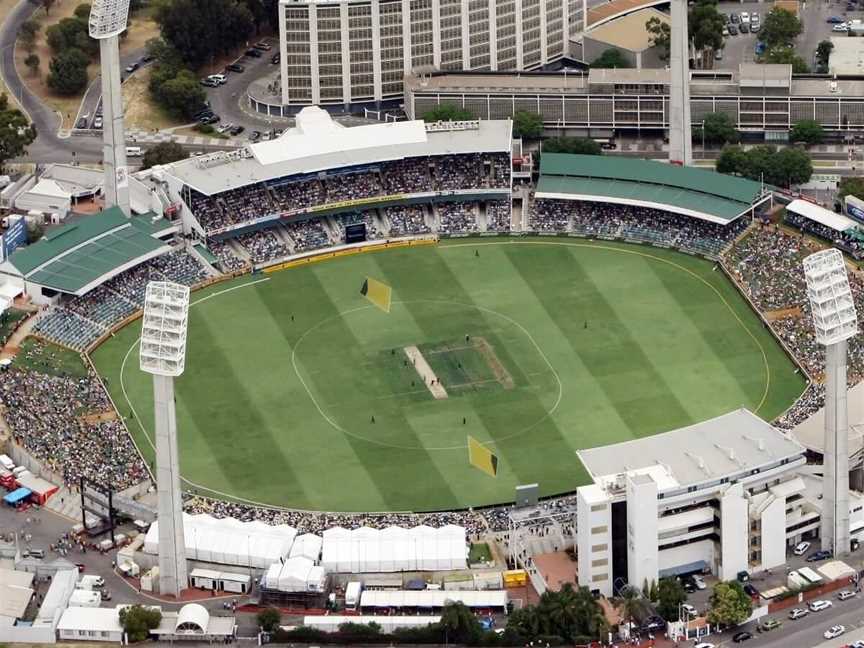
(835, 321)
(163, 354)
(108, 19)
(680, 128)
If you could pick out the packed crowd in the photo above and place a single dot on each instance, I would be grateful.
(80, 321)
(308, 235)
(848, 241)
(498, 216)
(228, 261)
(457, 217)
(633, 223)
(405, 220)
(367, 217)
(264, 246)
(46, 414)
(413, 175)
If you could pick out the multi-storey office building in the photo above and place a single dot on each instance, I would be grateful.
(337, 52)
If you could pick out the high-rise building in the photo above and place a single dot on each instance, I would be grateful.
(358, 51)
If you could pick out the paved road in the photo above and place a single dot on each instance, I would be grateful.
(93, 96)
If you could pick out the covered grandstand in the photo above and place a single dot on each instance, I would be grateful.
(79, 256)
(687, 191)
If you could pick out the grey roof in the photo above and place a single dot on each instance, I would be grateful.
(732, 443)
(492, 137)
(659, 76)
(775, 75)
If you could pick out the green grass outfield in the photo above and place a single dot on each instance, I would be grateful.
(602, 343)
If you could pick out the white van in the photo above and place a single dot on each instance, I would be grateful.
(91, 583)
(5, 461)
(134, 151)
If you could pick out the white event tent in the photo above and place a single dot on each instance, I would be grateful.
(296, 575)
(394, 549)
(228, 541)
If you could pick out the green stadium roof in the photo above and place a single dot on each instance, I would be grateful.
(713, 195)
(77, 257)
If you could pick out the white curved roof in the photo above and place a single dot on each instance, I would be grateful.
(193, 615)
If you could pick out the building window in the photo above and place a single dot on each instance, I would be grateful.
(600, 562)
(598, 507)
(599, 529)
(599, 547)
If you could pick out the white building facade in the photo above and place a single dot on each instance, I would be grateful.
(336, 52)
(725, 495)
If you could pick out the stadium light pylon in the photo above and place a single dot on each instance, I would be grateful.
(835, 321)
(163, 354)
(108, 19)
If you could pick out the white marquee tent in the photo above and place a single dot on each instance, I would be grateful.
(296, 575)
(228, 541)
(394, 549)
(307, 545)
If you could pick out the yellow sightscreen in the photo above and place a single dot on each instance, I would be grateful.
(377, 292)
(481, 457)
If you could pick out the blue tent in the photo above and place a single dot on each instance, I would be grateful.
(17, 496)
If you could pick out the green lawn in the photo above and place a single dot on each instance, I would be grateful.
(9, 321)
(48, 358)
(601, 343)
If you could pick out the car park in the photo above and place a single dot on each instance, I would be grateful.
(818, 606)
(237, 130)
(736, 18)
(97, 123)
(235, 67)
(733, 30)
(82, 122)
(834, 20)
(834, 631)
(254, 136)
(725, 30)
(840, 28)
(745, 17)
(744, 28)
(738, 637)
(254, 53)
(801, 548)
(798, 613)
(845, 595)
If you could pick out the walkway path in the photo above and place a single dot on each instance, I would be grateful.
(17, 338)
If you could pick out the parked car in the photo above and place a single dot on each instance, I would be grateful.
(147, 58)
(700, 582)
(768, 625)
(704, 644)
(751, 590)
(845, 595)
(80, 567)
(816, 556)
(224, 128)
(263, 45)
(736, 18)
(733, 30)
(237, 130)
(835, 20)
(834, 631)
(220, 79)
(82, 122)
(718, 55)
(254, 53)
(254, 136)
(818, 606)
(209, 119)
(235, 67)
(97, 123)
(840, 28)
(725, 30)
(801, 548)
(689, 609)
(798, 613)
(276, 58)
(744, 28)
(132, 67)
(209, 83)
(106, 595)
(743, 576)
(34, 553)
(738, 637)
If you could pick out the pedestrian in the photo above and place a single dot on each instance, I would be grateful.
(373, 419)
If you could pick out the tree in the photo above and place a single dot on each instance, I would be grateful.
(163, 153)
(448, 112)
(138, 621)
(851, 186)
(729, 604)
(16, 132)
(527, 124)
(670, 595)
(786, 55)
(705, 25)
(47, 4)
(808, 131)
(791, 166)
(571, 614)
(269, 619)
(781, 27)
(82, 11)
(719, 128)
(459, 624)
(34, 233)
(71, 33)
(630, 604)
(732, 160)
(201, 30)
(27, 34)
(68, 72)
(823, 53)
(611, 58)
(660, 36)
(33, 62)
(573, 145)
(181, 95)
